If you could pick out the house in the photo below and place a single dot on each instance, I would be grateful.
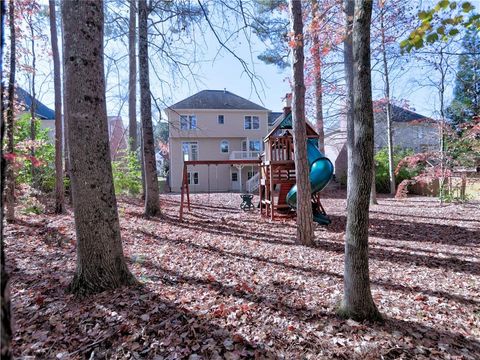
(410, 130)
(216, 125)
(116, 130)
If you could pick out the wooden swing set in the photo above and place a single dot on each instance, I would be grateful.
(185, 191)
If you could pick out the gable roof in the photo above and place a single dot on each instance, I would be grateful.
(216, 99)
(283, 124)
(41, 110)
(273, 117)
(399, 114)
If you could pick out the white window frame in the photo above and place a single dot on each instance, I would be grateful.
(252, 173)
(231, 176)
(251, 122)
(195, 176)
(188, 122)
(223, 119)
(190, 152)
(246, 145)
(228, 146)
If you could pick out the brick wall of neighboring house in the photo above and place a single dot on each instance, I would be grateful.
(118, 137)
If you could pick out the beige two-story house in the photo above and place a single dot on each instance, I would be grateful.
(215, 125)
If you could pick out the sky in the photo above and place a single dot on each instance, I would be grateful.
(221, 70)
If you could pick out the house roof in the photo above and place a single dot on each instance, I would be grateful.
(273, 117)
(399, 114)
(41, 110)
(216, 99)
(283, 124)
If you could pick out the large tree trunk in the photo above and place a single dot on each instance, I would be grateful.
(391, 165)
(152, 203)
(348, 8)
(59, 190)
(305, 233)
(5, 312)
(132, 80)
(357, 300)
(100, 261)
(317, 61)
(9, 149)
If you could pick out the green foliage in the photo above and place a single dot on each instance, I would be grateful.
(466, 94)
(445, 20)
(44, 155)
(127, 176)
(382, 178)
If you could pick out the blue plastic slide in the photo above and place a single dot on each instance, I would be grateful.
(321, 171)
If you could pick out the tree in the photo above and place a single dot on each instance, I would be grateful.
(5, 315)
(100, 261)
(59, 190)
(132, 80)
(305, 234)
(152, 203)
(466, 94)
(9, 149)
(357, 300)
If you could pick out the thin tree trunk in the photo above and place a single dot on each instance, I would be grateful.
(152, 203)
(391, 165)
(33, 105)
(357, 299)
(317, 60)
(5, 311)
(65, 119)
(132, 80)
(373, 190)
(9, 149)
(59, 190)
(305, 233)
(348, 8)
(442, 128)
(100, 261)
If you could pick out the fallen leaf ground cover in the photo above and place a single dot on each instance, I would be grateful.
(227, 284)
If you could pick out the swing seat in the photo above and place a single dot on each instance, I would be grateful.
(247, 202)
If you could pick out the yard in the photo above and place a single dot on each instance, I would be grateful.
(228, 284)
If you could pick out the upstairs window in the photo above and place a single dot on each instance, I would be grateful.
(251, 123)
(221, 119)
(224, 146)
(188, 122)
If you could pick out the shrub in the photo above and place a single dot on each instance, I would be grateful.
(382, 178)
(127, 176)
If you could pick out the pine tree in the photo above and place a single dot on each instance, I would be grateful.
(466, 94)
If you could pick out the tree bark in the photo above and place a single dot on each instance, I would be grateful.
(152, 203)
(305, 233)
(100, 261)
(373, 189)
(33, 96)
(317, 60)
(5, 311)
(132, 80)
(59, 190)
(357, 300)
(9, 149)
(391, 165)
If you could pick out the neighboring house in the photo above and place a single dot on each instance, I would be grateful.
(116, 130)
(410, 131)
(215, 125)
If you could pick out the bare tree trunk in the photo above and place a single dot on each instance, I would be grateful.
(442, 126)
(317, 60)
(132, 80)
(33, 105)
(391, 165)
(305, 233)
(100, 261)
(373, 190)
(357, 299)
(9, 149)
(152, 203)
(5, 310)
(348, 8)
(59, 190)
